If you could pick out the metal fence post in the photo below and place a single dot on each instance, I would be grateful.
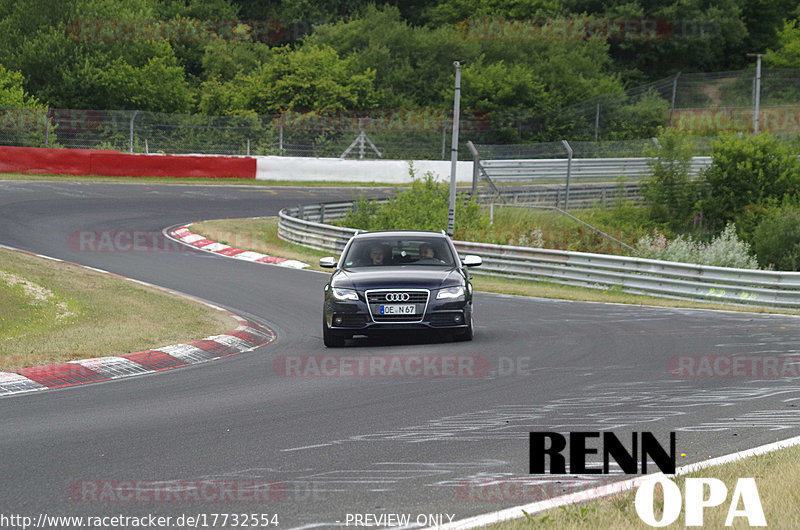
(597, 122)
(476, 162)
(674, 91)
(47, 128)
(133, 117)
(280, 135)
(444, 139)
(569, 170)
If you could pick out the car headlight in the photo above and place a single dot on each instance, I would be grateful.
(451, 293)
(344, 294)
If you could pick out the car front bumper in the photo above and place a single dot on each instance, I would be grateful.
(359, 318)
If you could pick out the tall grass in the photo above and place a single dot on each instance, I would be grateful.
(523, 226)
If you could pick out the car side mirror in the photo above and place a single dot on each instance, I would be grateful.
(328, 262)
(472, 261)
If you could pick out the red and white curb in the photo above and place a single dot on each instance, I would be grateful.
(247, 336)
(186, 236)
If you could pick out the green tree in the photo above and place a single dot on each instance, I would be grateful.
(23, 119)
(311, 77)
(787, 53)
(12, 93)
(455, 11)
(190, 51)
(82, 58)
(682, 35)
(413, 66)
(224, 60)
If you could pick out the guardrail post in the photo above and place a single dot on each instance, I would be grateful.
(300, 212)
(322, 213)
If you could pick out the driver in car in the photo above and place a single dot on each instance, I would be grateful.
(377, 255)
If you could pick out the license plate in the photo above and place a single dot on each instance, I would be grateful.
(405, 309)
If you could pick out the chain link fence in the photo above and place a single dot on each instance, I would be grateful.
(392, 134)
(704, 104)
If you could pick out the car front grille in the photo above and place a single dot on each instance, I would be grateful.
(383, 297)
(414, 297)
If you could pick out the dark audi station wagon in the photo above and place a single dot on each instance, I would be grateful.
(398, 281)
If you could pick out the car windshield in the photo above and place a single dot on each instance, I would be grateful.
(379, 252)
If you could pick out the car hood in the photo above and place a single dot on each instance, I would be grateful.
(397, 277)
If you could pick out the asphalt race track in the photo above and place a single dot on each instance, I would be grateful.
(329, 446)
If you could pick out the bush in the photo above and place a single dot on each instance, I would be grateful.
(725, 250)
(748, 171)
(423, 206)
(777, 239)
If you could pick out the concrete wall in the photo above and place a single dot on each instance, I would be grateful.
(354, 170)
(35, 160)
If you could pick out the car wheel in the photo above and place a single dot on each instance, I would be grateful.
(329, 338)
(466, 334)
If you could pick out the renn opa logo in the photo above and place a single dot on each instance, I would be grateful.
(699, 493)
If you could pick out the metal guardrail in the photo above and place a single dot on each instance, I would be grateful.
(633, 275)
(589, 195)
(295, 228)
(580, 168)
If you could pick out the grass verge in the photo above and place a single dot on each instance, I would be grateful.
(547, 228)
(55, 312)
(775, 474)
(261, 235)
